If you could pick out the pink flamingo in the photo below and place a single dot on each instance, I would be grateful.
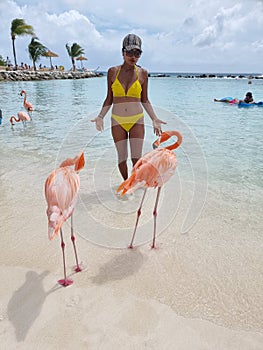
(28, 106)
(152, 170)
(22, 116)
(61, 192)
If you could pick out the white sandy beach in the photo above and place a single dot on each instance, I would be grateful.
(200, 290)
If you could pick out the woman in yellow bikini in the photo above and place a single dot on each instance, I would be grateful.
(128, 93)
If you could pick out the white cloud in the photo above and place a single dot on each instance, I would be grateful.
(183, 35)
(207, 37)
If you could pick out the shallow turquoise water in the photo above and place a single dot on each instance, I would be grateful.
(230, 138)
(221, 150)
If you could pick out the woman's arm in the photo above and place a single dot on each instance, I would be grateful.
(147, 105)
(107, 102)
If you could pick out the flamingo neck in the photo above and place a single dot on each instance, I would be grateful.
(23, 93)
(13, 117)
(166, 135)
(177, 143)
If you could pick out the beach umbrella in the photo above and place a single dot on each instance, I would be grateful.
(50, 54)
(81, 58)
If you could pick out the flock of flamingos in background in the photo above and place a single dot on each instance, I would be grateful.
(62, 186)
(23, 116)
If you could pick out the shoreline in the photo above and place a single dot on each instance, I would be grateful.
(26, 75)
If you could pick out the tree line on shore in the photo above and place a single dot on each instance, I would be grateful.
(35, 48)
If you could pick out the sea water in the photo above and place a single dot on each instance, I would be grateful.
(230, 138)
(222, 143)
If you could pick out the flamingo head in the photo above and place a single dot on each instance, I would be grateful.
(11, 120)
(165, 136)
(22, 92)
(55, 221)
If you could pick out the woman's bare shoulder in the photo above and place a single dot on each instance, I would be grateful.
(112, 71)
(143, 74)
(143, 70)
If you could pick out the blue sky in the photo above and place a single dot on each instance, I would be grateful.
(178, 36)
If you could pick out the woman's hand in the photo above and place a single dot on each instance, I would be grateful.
(157, 128)
(99, 123)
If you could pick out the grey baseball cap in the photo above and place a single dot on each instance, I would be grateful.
(132, 41)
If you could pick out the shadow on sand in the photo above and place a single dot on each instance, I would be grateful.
(26, 303)
(120, 267)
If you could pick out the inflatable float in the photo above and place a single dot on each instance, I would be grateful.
(246, 105)
(235, 101)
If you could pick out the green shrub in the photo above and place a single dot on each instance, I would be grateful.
(2, 61)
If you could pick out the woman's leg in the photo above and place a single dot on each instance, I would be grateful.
(120, 137)
(136, 137)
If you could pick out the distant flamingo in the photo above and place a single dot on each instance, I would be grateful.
(61, 192)
(22, 116)
(153, 169)
(28, 106)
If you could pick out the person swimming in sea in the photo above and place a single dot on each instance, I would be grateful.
(227, 100)
(248, 98)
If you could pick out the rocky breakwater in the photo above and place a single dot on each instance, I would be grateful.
(25, 75)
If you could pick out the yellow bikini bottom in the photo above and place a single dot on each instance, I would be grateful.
(127, 122)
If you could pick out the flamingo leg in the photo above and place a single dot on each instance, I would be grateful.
(77, 268)
(155, 216)
(64, 282)
(137, 220)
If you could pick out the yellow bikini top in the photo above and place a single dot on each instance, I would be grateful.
(134, 90)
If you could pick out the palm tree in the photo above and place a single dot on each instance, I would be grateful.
(36, 49)
(19, 28)
(74, 51)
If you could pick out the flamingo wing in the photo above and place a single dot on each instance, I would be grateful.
(152, 170)
(28, 106)
(164, 162)
(23, 116)
(61, 191)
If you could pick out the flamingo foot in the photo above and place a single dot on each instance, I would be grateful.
(65, 282)
(153, 246)
(78, 269)
(130, 246)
